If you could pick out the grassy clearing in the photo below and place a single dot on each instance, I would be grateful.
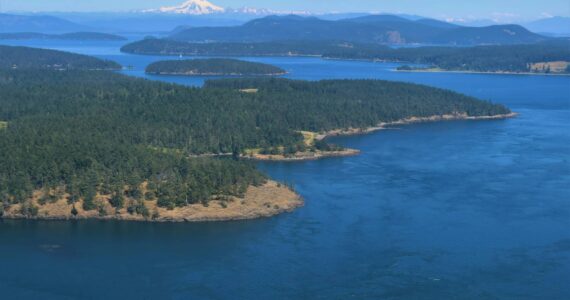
(249, 91)
(553, 67)
(3, 125)
(309, 137)
(167, 150)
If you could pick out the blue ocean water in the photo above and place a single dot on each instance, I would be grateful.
(449, 210)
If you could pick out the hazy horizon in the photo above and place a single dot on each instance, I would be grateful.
(505, 11)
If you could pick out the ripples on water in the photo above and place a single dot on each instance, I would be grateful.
(451, 210)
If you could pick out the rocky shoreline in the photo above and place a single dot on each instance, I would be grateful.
(259, 202)
(303, 156)
(412, 120)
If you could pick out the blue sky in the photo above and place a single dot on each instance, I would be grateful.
(502, 10)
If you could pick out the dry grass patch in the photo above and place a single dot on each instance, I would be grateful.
(552, 67)
(249, 91)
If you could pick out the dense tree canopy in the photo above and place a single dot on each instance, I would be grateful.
(214, 66)
(95, 132)
(32, 58)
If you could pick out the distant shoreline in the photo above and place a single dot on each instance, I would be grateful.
(207, 74)
(479, 72)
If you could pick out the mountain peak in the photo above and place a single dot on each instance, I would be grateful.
(193, 7)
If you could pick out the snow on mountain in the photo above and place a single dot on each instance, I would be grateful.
(204, 7)
(192, 7)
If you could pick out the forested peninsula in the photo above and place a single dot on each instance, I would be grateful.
(548, 57)
(19, 58)
(96, 144)
(213, 67)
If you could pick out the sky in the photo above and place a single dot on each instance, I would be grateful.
(498, 10)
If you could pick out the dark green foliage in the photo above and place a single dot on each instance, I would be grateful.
(31, 58)
(89, 202)
(29, 210)
(117, 200)
(213, 66)
(405, 68)
(507, 58)
(74, 211)
(333, 104)
(277, 48)
(101, 132)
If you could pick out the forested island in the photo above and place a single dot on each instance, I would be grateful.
(96, 144)
(213, 67)
(549, 57)
(31, 58)
(73, 36)
(154, 46)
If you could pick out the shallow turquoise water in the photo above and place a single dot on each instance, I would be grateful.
(451, 210)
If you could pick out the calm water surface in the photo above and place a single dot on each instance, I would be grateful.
(451, 210)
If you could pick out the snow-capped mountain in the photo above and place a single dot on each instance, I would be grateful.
(192, 7)
(204, 7)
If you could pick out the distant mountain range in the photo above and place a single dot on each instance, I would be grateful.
(380, 29)
(204, 7)
(553, 26)
(200, 13)
(558, 26)
(37, 23)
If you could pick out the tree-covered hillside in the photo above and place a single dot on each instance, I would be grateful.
(213, 66)
(33, 58)
(376, 29)
(88, 133)
(508, 58)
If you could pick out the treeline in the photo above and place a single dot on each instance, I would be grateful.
(153, 46)
(506, 58)
(33, 58)
(98, 133)
(213, 66)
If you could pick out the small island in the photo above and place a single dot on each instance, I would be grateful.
(213, 67)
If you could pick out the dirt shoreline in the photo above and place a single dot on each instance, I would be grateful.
(411, 120)
(259, 202)
(305, 156)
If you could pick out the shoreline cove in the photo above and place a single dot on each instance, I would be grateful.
(306, 156)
